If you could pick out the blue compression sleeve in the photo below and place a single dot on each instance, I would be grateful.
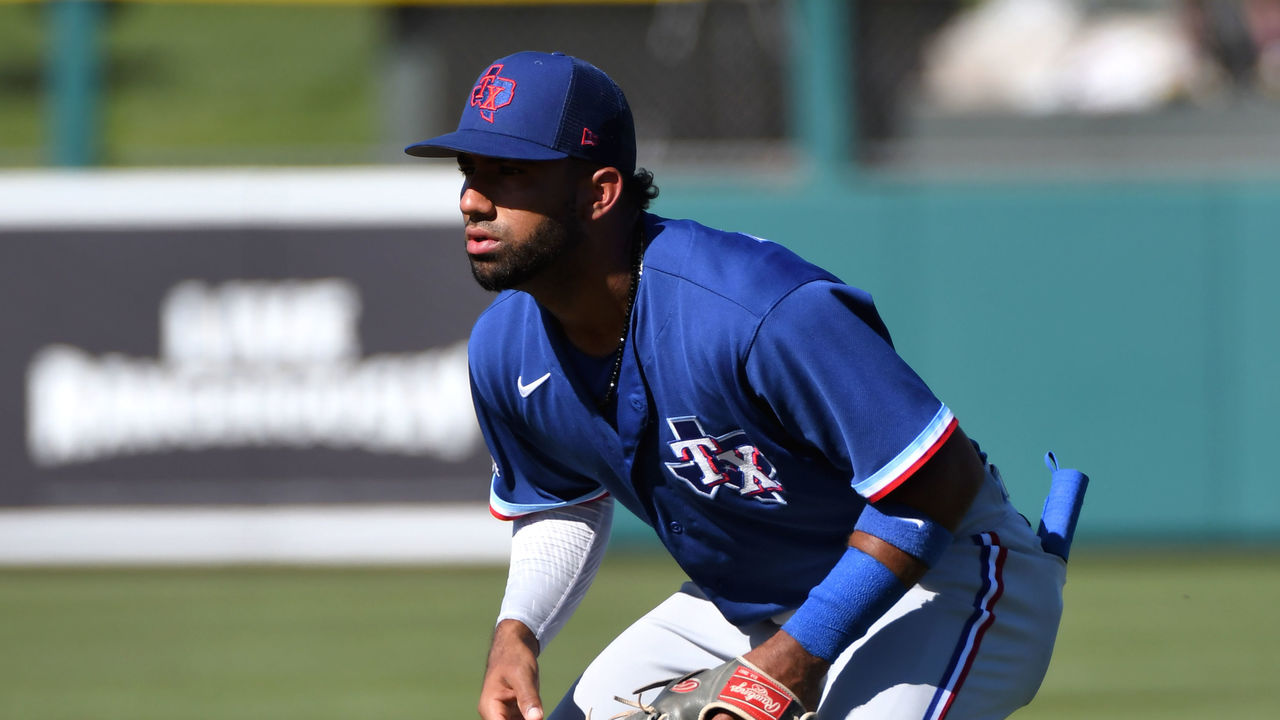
(907, 529)
(840, 609)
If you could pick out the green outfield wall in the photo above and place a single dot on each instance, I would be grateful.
(1127, 325)
(1130, 327)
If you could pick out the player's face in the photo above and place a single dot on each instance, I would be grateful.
(521, 217)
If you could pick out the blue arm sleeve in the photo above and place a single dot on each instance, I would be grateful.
(843, 606)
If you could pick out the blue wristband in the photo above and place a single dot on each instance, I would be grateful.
(840, 609)
(908, 530)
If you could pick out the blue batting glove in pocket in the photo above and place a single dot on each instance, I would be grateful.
(1061, 508)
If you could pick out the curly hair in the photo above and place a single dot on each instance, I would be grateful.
(639, 188)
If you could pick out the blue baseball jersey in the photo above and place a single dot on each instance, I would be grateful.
(760, 406)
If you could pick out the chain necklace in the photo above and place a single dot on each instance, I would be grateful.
(637, 269)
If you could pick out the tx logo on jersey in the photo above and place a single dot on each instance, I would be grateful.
(492, 92)
(730, 460)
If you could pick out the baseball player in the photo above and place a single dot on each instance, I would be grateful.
(849, 550)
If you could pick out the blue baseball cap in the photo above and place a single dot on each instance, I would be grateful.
(542, 106)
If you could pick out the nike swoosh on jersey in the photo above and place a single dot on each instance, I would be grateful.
(527, 390)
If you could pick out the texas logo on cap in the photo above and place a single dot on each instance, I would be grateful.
(492, 92)
(568, 108)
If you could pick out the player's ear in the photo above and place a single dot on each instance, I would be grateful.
(606, 191)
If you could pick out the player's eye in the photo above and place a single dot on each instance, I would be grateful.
(510, 169)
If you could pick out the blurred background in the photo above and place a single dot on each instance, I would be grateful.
(239, 471)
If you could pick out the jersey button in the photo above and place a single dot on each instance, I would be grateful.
(675, 527)
(637, 402)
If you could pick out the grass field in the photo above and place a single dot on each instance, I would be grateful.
(1146, 635)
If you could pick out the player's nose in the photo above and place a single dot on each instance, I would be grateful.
(474, 203)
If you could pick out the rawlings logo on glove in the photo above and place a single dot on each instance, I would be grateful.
(736, 687)
(755, 693)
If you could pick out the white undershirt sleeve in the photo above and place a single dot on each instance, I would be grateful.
(554, 557)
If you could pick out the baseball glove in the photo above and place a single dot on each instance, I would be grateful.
(736, 687)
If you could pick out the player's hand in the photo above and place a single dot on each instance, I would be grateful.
(784, 659)
(734, 690)
(510, 689)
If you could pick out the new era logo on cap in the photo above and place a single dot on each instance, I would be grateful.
(542, 106)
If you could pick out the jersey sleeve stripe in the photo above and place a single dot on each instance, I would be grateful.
(504, 510)
(889, 477)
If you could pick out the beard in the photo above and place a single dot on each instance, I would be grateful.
(519, 262)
